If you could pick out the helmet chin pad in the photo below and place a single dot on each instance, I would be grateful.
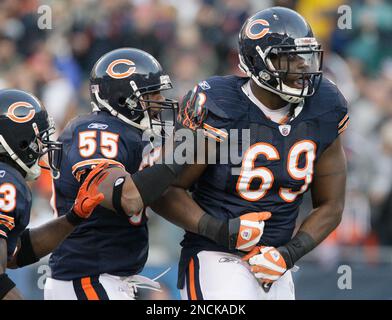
(292, 98)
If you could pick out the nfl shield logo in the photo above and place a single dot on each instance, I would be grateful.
(285, 129)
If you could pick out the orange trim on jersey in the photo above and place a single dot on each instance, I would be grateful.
(192, 287)
(10, 219)
(79, 174)
(284, 119)
(208, 134)
(218, 131)
(343, 128)
(94, 162)
(8, 225)
(2, 233)
(344, 119)
(88, 289)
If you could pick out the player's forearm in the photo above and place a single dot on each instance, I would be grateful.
(128, 199)
(44, 239)
(128, 194)
(37, 242)
(13, 294)
(3, 255)
(8, 290)
(322, 221)
(179, 208)
(315, 228)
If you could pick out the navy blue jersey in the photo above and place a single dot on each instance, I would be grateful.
(276, 167)
(106, 242)
(15, 206)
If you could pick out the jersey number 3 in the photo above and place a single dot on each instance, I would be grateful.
(249, 172)
(8, 197)
(108, 144)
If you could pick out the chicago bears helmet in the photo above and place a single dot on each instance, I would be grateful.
(269, 43)
(120, 81)
(25, 131)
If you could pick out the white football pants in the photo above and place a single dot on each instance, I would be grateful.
(102, 287)
(213, 275)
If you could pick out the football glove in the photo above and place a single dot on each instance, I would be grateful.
(88, 196)
(267, 264)
(246, 230)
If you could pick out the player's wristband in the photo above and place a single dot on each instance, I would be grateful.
(151, 182)
(6, 285)
(73, 218)
(26, 254)
(214, 229)
(117, 193)
(296, 248)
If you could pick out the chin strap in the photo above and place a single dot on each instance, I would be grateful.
(286, 97)
(32, 173)
(114, 113)
(144, 125)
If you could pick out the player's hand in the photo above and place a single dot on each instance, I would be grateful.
(246, 230)
(267, 264)
(88, 196)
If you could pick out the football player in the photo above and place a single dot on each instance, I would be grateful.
(295, 119)
(104, 254)
(25, 131)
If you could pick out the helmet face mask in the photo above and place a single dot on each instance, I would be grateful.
(123, 82)
(278, 51)
(159, 111)
(50, 148)
(25, 132)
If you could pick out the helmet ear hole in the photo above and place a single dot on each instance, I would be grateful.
(23, 145)
(122, 101)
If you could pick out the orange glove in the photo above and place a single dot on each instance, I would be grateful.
(267, 264)
(88, 196)
(247, 229)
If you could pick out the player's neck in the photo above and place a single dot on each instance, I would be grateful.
(267, 98)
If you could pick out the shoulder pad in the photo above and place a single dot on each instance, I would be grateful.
(328, 99)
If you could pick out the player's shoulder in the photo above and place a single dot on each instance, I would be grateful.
(92, 121)
(217, 84)
(98, 121)
(215, 99)
(327, 99)
(223, 95)
(329, 107)
(11, 180)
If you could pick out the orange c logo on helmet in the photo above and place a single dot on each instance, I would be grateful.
(116, 75)
(20, 119)
(250, 34)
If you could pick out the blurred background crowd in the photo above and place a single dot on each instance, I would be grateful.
(194, 39)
